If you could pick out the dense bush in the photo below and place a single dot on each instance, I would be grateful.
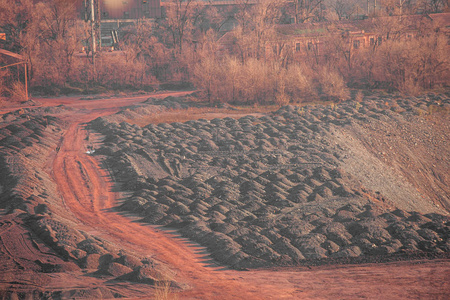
(227, 79)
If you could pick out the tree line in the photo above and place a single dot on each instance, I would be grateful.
(187, 45)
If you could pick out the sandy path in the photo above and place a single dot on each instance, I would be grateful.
(88, 193)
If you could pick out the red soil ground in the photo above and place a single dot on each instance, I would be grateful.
(89, 195)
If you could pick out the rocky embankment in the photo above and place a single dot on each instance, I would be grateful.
(299, 186)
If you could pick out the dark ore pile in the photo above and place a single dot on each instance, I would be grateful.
(271, 190)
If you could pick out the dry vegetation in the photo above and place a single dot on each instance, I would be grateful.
(185, 47)
(163, 290)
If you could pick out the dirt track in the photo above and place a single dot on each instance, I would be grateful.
(89, 194)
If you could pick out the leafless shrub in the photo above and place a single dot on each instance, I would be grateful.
(412, 65)
(17, 92)
(299, 84)
(163, 289)
(281, 98)
(119, 71)
(4, 76)
(332, 85)
(359, 96)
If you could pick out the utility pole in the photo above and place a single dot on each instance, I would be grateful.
(93, 29)
(26, 79)
(98, 24)
(296, 11)
(401, 2)
(93, 48)
(85, 11)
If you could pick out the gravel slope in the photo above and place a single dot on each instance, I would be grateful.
(300, 185)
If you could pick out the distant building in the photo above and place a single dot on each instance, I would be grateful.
(124, 9)
(114, 15)
(312, 38)
(130, 9)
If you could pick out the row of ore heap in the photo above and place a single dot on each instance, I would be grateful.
(264, 191)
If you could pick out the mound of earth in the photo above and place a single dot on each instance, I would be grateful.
(303, 184)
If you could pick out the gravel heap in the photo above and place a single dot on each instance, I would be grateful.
(270, 191)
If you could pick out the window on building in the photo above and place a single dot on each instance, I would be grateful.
(356, 44)
(297, 47)
(310, 45)
(380, 40)
(372, 41)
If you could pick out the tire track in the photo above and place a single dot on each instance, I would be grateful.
(93, 204)
(10, 254)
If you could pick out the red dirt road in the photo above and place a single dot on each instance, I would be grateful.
(88, 193)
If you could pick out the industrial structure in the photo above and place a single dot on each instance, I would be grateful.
(14, 62)
(108, 16)
(122, 9)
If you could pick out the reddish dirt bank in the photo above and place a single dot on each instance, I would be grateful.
(89, 196)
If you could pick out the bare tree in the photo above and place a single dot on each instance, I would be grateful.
(306, 10)
(141, 44)
(399, 7)
(206, 73)
(56, 32)
(265, 15)
(14, 21)
(413, 64)
(42, 32)
(181, 15)
(257, 28)
(432, 6)
(340, 51)
(243, 14)
(344, 9)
